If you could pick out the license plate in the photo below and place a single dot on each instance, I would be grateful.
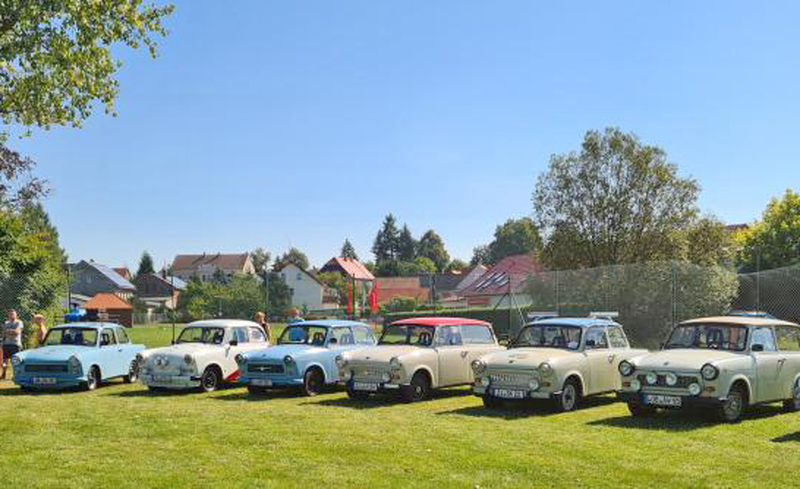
(262, 382)
(365, 386)
(163, 379)
(659, 400)
(508, 394)
(44, 380)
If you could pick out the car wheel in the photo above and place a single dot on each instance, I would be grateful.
(133, 373)
(490, 402)
(731, 410)
(418, 390)
(640, 410)
(210, 380)
(28, 389)
(313, 382)
(793, 404)
(255, 390)
(569, 397)
(93, 379)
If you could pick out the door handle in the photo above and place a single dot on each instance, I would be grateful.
(611, 358)
(463, 354)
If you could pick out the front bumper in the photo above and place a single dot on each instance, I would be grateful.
(270, 381)
(687, 402)
(45, 381)
(373, 387)
(176, 382)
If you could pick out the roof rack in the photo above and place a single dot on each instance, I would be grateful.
(609, 315)
(752, 314)
(540, 315)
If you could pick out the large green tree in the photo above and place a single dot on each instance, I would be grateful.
(773, 241)
(617, 200)
(292, 256)
(145, 265)
(260, 258)
(348, 250)
(431, 246)
(406, 245)
(385, 246)
(514, 237)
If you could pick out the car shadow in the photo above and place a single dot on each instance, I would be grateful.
(387, 400)
(680, 420)
(511, 410)
(287, 393)
(791, 437)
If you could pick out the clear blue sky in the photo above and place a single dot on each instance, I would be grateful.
(303, 123)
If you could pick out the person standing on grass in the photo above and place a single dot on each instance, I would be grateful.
(12, 340)
(261, 319)
(41, 329)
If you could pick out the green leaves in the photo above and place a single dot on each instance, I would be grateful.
(774, 241)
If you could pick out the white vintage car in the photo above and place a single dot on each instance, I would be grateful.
(204, 355)
(725, 363)
(416, 355)
(558, 359)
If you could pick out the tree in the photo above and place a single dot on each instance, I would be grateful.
(145, 265)
(456, 266)
(385, 246)
(241, 298)
(480, 254)
(406, 245)
(616, 201)
(420, 266)
(432, 247)
(709, 243)
(18, 187)
(260, 258)
(514, 237)
(292, 256)
(774, 241)
(348, 250)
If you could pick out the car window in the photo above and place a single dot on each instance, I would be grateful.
(363, 335)
(764, 337)
(241, 335)
(343, 336)
(788, 338)
(107, 338)
(257, 335)
(122, 336)
(617, 338)
(475, 334)
(448, 336)
(596, 338)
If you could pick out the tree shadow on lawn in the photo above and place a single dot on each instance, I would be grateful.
(680, 420)
(512, 410)
(386, 400)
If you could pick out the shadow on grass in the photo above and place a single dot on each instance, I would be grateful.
(288, 393)
(511, 410)
(386, 400)
(791, 437)
(684, 420)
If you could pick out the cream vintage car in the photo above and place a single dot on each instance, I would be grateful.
(725, 363)
(416, 355)
(204, 355)
(557, 359)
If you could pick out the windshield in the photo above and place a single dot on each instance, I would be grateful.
(303, 335)
(196, 334)
(550, 336)
(71, 336)
(708, 337)
(407, 335)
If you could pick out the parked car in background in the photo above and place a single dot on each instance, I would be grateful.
(304, 357)
(416, 355)
(202, 356)
(725, 363)
(558, 359)
(78, 355)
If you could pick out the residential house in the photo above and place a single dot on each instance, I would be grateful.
(401, 287)
(204, 266)
(89, 278)
(306, 289)
(159, 290)
(108, 307)
(124, 272)
(504, 283)
(469, 278)
(350, 268)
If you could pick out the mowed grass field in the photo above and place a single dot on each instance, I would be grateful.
(123, 436)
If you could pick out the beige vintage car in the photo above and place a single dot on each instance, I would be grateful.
(725, 363)
(416, 355)
(557, 359)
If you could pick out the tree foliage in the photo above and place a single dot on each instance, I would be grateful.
(145, 265)
(432, 247)
(18, 186)
(457, 266)
(385, 246)
(514, 237)
(240, 298)
(292, 256)
(708, 242)
(616, 201)
(480, 254)
(348, 250)
(260, 258)
(406, 245)
(774, 241)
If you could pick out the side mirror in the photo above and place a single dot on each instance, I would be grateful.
(234, 343)
(757, 348)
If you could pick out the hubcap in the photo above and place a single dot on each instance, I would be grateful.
(210, 381)
(568, 397)
(733, 406)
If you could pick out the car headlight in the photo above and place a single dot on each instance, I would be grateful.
(671, 379)
(694, 389)
(188, 360)
(626, 368)
(533, 384)
(16, 361)
(709, 372)
(478, 366)
(652, 378)
(139, 358)
(636, 385)
(346, 375)
(288, 360)
(546, 369)
(74, 365)
(395, 364)
(339, 361)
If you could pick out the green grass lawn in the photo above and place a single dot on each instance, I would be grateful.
(124, 436)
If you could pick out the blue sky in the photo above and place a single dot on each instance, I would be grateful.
(280, 124)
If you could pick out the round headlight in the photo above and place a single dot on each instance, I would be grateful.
(288, 360)
(74, 365)
(533, 384)
(187, 359)
(394, 364)
(347, 374)
(636, 385)
(386, 377)
(652, 378)
(478, 366)
(15, 360)
(484, 381)
(709, 372)
(694, 389)
(139, 358)
(626, 368)
(671, 379)
(546, 369)
(339, 361)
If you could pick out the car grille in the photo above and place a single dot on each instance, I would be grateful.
(265, 368)
(49, 368)
(510, 379)
(369, 373)
(683, 381)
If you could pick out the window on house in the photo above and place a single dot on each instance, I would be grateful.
(299, 276)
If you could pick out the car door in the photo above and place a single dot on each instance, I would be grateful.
(768, 361)
(241, 337)
(125, 350)
(110, 354)
(788, 342)
(618, 343)
(452, 356)
(478, 340)
(598, 356)
(340, 340)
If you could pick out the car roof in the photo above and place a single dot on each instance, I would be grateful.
(222, 323)
(328, 323)
(577, 322)
(440, 321)
(742, 321)
(89, 325)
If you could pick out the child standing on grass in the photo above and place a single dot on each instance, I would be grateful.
(12, 340)
(41, 329)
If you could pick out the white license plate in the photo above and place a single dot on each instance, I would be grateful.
(365, 386)
(44, 380)
(162, 379)
(508, 393)
(659, 400)
(262, 382)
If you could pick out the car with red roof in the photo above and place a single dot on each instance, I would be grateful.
(416, 355)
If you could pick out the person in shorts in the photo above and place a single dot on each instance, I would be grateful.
(12, 340)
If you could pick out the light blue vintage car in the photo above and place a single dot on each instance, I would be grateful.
(304, 357)
(78, 355)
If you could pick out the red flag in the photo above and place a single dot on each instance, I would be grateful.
(373, 298)
(349, 298)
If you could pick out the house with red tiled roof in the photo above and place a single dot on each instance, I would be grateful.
(401, 287)
(203, 267)
(123, 272)
(349, 267)
(109, 307)
(508, 277)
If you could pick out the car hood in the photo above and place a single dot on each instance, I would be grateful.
(55, 353)
(280, 351)
(528, 357)
(682, 359)
(181, 350)
(384, 353)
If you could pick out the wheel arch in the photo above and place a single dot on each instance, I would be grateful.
(318, 366)
(574, 374)
(427, 371)
(742, 380)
